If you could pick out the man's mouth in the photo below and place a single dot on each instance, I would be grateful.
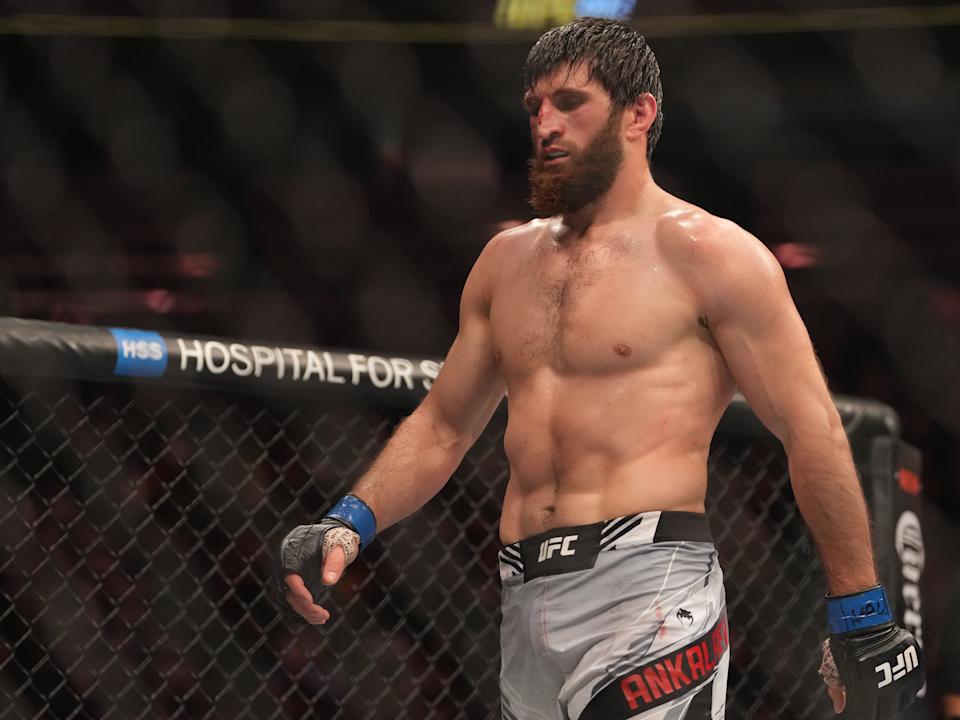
(553, 155)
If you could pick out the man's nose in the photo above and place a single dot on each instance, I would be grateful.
(547, 123)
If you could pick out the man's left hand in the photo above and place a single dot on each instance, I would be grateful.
(875, 671)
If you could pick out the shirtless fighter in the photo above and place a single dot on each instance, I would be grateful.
(620, 324)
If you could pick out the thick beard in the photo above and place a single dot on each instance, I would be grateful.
(588, 175)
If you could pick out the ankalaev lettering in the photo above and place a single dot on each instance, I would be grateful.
(663, 679)
(301, 365)
(677, 672)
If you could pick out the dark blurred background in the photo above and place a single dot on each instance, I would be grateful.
(327, 172)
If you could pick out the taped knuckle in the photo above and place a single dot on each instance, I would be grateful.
(344, 538)
(828, 667)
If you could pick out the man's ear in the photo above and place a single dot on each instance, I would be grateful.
(641, 115)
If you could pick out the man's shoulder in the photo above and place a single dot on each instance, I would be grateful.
(698, 241)
(692, 231)
(502, 252)
(513, 240)
(526, 232)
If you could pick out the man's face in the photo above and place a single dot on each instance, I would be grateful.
(577, 150)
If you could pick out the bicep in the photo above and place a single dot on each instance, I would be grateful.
(469, 386)
(766, 346)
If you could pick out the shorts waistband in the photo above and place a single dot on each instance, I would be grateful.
(569, 549)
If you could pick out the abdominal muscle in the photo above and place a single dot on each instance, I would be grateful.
(586, 449)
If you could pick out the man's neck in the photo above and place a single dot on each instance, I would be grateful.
(630, 194)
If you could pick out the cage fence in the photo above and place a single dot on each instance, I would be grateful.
(139, 523)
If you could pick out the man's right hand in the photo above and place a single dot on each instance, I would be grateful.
(312, 557)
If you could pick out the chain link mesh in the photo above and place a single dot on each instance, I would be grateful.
(138, 527)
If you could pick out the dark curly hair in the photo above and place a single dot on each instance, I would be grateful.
(616, 56)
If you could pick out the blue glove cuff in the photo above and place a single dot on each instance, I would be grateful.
(357, 514)
(860, 611)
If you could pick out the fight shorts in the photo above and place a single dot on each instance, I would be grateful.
(620, 619)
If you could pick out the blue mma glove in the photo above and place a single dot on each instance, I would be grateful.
(881, 665)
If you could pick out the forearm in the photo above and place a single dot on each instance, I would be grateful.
(412, 467)
(828, 493)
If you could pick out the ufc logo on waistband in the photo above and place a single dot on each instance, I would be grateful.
(550, 546)
(906, 661)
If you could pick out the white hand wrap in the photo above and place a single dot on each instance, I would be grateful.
(345, 538)
(828, 667)
(305, 549)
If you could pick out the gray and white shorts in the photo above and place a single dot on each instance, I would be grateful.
(619, 619)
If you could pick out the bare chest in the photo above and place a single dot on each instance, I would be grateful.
(603, 310)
